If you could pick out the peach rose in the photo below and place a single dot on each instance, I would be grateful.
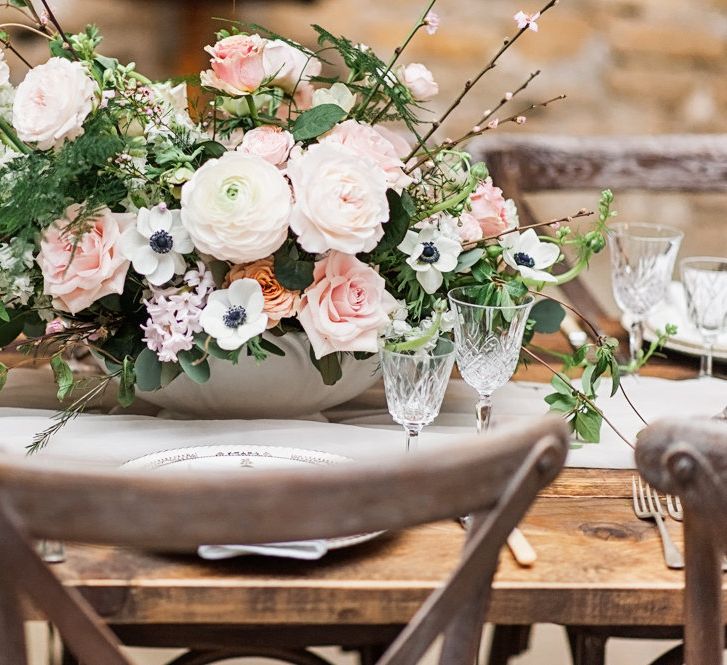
(371, 143)
(273, 144)
(346, 307)
(237, 65)
(96, 268)
(489, 209)
(279, 302)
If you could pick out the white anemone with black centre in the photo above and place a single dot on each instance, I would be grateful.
(156, 244)
(235, 315)
(431, 253)
(530, 256)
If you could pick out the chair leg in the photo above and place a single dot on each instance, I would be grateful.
(587, 648)
(12, 631)
(508, 641)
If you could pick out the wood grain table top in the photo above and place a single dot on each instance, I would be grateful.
(597, 565)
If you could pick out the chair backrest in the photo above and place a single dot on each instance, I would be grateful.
(688, 458)
(532, 163)
(495, 478)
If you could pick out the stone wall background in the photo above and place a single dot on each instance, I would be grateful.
(627, 66)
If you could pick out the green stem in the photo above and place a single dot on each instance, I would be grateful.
(140, 77)
(397, 54)
(419, 342)
(451, 201)
(252, 108)
(11, 138)
(575, 270)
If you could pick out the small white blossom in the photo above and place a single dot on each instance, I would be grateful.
(235, 315)
(156, 244)
(529, 256)
(431, 253)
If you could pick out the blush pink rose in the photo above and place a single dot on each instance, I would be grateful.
(369, 142)
(489, 208)
(468, 228)
(271, 143)
(237, 65)
(419, 81)
(346, 307)
(77, 279)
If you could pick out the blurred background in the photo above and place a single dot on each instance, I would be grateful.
(627, 66)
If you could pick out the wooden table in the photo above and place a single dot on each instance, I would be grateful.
(597, 566)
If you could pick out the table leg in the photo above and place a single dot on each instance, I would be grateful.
(587, 648)
(508, 641)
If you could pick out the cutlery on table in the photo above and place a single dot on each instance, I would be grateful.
(674, 508)
(647, 506)
(520, 548)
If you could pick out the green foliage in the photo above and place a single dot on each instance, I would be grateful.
(127, 379)
(63, 376)
(318, 120)
(401, 210)
(10, 330)
(3, 375)
(42, 185)
(547, 315)
(293, 272)
(329, 367)
(148, 370)
(195, 365)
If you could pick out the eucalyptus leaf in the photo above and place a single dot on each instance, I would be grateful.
(292, 273)
(212, 148)
(194, 367)
(329, 367)
(148, 369)
(63, 376)
(170, 371)
(316, 121)
(268, 346)
(468, 259)
(548, 315)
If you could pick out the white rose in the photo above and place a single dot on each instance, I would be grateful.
(273, 144)
(288, 65)
(340, 200)
(52, 102)
(4, 70)
(419, 80)
(337, 94)
(236, 208)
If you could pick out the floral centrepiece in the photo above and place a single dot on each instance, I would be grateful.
(302, 198)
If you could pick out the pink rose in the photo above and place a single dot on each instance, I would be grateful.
(271, 143)
(468, 229)
(488, 207)
(237, 65)
(288, 66)
(96, 268)
(346, 307)
(419, 80)
(369, 142)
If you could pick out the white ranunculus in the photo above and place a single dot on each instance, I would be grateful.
(529, 256)
(155, 245)
(235, 315)
(4, 70)
(419, 80)
(340, 200)
(52, 103)
(236, 208)
(337, 94)
(287, 65)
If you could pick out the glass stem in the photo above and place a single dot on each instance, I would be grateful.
(51, 551)
(412, 437)
(636, 341)
(483, 411)
(705, 366)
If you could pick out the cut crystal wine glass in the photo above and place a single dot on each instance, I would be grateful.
(705, 286)
(415, 383)
(642, 262)
(488, 341)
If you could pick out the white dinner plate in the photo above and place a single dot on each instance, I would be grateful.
(227, 457)
(687, 340)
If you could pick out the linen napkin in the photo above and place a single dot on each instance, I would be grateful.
(306, 550)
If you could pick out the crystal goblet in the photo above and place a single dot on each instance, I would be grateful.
(642, 262)
(705, 286)
(488, 341)
(415, 383)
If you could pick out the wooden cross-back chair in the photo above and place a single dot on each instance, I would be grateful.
(689, 459)
(496, 479)
(526, 164)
